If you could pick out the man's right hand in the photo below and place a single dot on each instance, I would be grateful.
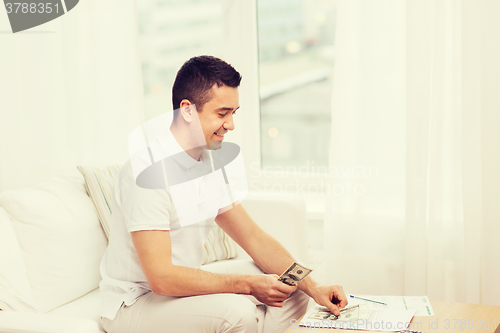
(268, 290)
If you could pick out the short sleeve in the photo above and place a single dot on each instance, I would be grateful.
(233, 185)
(143, 209)
(228, 198)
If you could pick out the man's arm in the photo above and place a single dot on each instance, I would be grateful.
(154, 251)
(264, 249)
(272, 257)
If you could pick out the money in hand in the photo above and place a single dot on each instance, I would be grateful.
(294, 274)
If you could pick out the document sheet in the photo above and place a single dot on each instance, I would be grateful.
(361, 314)
(420, 304)
(357, 317)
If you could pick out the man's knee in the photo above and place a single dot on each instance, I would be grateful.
(298, 299)
(242, 316)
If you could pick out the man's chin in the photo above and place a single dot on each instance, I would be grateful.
(215, 145)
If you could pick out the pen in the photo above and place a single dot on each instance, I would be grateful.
(367, 299)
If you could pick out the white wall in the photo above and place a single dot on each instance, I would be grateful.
(70, 92)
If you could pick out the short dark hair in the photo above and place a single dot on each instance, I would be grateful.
(196, 78)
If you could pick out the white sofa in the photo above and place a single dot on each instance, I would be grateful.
(51, 244)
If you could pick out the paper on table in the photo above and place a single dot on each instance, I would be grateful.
(420, 304)
(380, 320)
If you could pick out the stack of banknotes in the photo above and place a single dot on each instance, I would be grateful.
(294, 274)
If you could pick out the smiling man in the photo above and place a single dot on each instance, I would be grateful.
(152, 281)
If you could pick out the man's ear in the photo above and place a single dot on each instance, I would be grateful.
(186, 110)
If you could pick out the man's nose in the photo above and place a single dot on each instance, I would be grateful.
(229, 123)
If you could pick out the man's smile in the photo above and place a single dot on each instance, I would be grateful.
(220, 135)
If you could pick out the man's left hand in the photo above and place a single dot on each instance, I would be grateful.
(331, 296)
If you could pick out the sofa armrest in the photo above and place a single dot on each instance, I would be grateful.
(29, 322)
(284, 218)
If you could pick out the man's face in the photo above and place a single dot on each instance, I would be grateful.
(216, 117)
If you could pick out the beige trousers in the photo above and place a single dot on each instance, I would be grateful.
(215, 313)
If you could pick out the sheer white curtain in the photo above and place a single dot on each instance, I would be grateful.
(415, 102)
(240, 50)
(70, 92)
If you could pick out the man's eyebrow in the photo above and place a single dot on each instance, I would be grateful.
(226, 109)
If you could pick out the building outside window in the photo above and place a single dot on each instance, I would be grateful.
(296, 59)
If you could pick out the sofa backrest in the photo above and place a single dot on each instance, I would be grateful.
(60, 237)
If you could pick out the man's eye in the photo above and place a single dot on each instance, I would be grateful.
(234, 112)
(222, 115)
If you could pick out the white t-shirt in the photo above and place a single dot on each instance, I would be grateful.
(135, 208)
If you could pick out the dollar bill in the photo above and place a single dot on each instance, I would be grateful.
(294, 274)
(346, 315)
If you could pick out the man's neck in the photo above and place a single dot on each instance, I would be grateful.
(185, 140)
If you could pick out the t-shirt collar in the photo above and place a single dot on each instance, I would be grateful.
(170, 144)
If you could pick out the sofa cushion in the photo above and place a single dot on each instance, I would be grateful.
(15, 291)
(86, 307)
(60, 237)
(99, 182)
(26, 322)
(219, 246)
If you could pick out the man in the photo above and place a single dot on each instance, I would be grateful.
(152, 281)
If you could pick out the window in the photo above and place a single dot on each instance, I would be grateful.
(296, 58)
